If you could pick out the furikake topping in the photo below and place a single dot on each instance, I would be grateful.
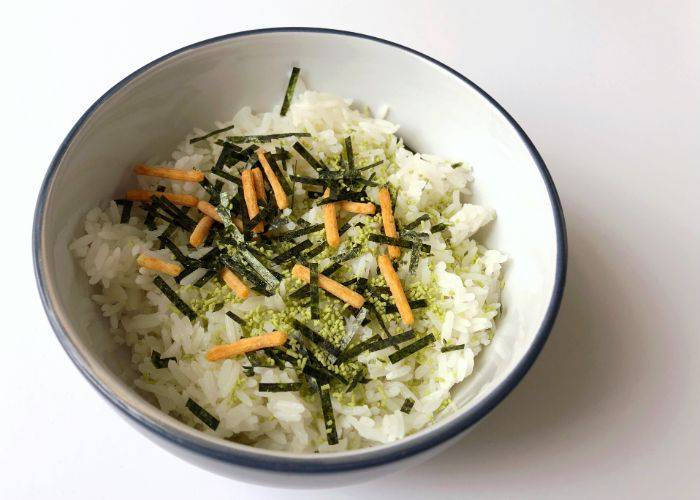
(448, 348)
(279, 386)
(174, 298)
(415, 304)
(292, 252)
(159, 362)
(210, 420)
(411, 348)
(290, 91)
(407, 405)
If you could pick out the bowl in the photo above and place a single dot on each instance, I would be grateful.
(440, 111)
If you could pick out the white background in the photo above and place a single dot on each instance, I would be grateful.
(608, 91)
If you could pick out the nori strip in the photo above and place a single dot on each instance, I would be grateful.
(179, 256)
(355, 380)
(186, 271)
(358, 349)
(210, 134)
(169, 229)
(312, 181)
(159, 362)
(126, 210)
(457, 165)
(411, 348)
(174, 298)
(399, 242)
(204, 279)
(225, 175)
(372, 165)
(348, 153)
(328, 417)
(361, 285)
(265, 137)
(407, 405)
(236, 318)
(315, 164)
(378, 316)
(415, 257)
(415, 304)
(439, 227)
(295, 233)
(317, 339)
(249, 371)
(210, 420)
(290, 91)
(449, 348)
(349, 255)
(292, 252)
(392, 341)
(313, 289)
(417, 221)
(279, 386)
(315, 250)
(281, 176)
(150, 220)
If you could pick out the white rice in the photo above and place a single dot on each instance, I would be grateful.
(465, 275)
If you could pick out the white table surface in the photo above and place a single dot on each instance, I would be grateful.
(610, 94)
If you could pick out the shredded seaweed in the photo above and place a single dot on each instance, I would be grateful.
(391, 341)
(457, 165)
(292, 252)
(399, 242)
(359, 376)
(295, 233)
(313, 181)
(313, 290)
(174, 298)
(358, 349)
(204, 279)
(225, 175)
(367, 167)
(290, 91)
(236, 318)
(279, 386)
(210, 420)
(281, 176)
(126, 210)
(415, 256)
(407, 405)
(439, 227)
(159, 362)
(317, 339)
(265, 137)
(348, 153)
(412, 348)
(211, 134)
(315, 164)
(417, 221)
(328, 417)
(415, 304)
(448, 348)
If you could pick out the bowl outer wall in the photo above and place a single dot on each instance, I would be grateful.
(196, 446)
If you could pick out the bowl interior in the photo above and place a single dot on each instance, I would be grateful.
(147, 116)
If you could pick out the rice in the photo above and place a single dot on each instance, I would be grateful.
(461, 278)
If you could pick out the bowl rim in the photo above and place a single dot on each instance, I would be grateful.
(314, 463)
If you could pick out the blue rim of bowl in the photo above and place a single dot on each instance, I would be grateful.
(370, 457)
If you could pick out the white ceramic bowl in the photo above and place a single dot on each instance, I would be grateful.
(440, 111)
